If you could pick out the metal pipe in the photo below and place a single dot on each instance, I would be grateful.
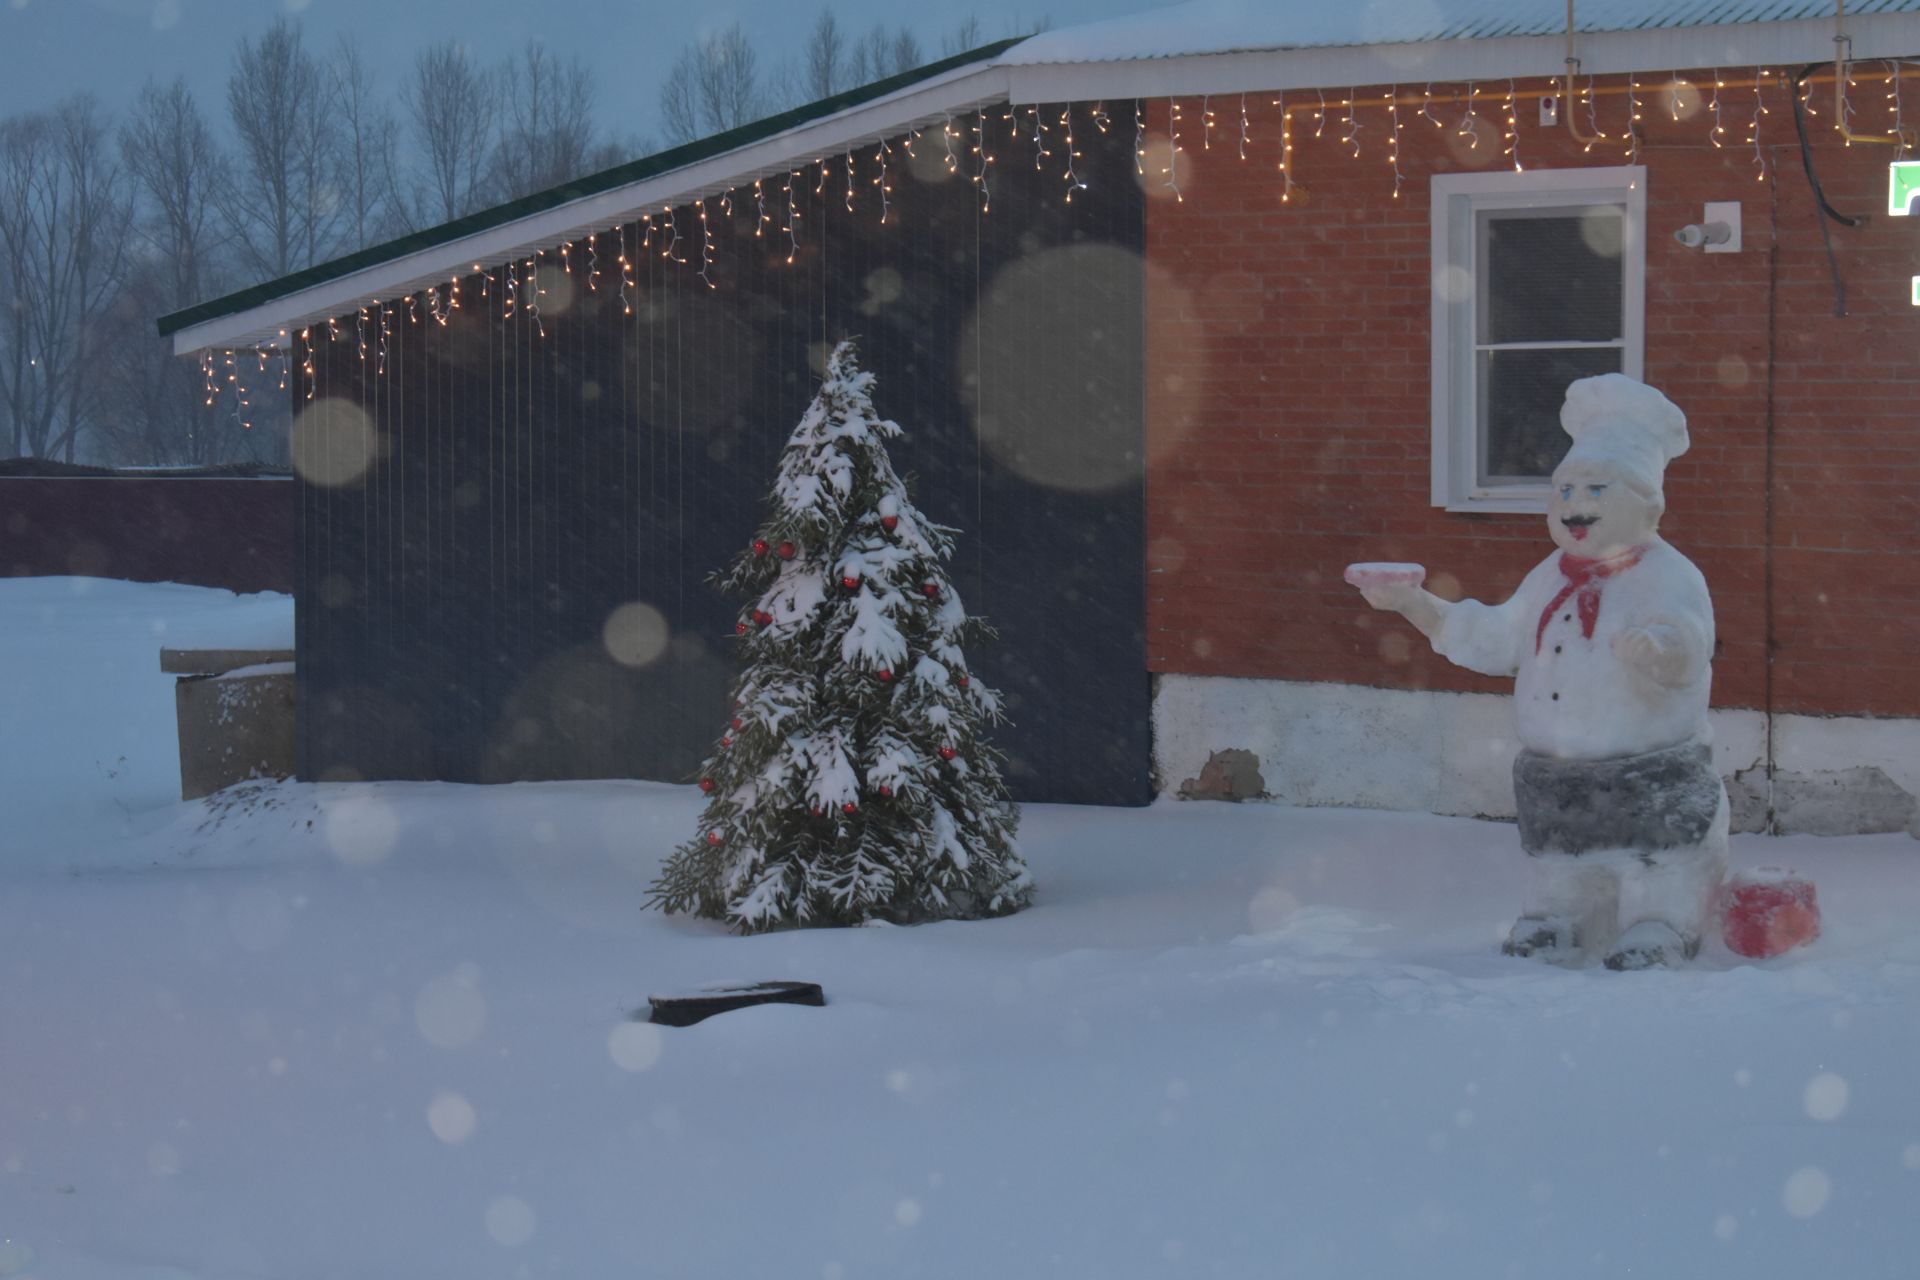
(1842, 49)
(1566, 99)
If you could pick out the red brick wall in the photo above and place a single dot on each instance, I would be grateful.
(237, 534)
(1288, 417)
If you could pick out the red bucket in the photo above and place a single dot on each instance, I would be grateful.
(1768, 912)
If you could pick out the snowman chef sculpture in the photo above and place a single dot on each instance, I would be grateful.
(1609, 642)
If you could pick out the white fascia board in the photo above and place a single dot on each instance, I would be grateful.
(960, 90)
(1774, 45)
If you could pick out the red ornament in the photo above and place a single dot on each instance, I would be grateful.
(1769, 912)
(706, 784)
(889, 523)
(762, 618)
(886, 793)
(713, 837)
(740, 628)
(785, 551)
(948, 753)
(884, 674)
(735, 722)
(849, 808)
(759, 546)
(817, 811)
(726, 741)
(850, 582)
(931, 589)
(964, 682)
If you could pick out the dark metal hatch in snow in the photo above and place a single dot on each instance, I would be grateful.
(684, 1011)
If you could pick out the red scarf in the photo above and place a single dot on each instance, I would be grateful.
(1586, 577)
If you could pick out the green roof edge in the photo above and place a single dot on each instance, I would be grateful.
(592, 184)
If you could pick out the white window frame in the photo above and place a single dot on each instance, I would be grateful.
(1458, 199)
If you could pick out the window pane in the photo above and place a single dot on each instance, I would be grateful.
(1520, 397)
(1551, 278)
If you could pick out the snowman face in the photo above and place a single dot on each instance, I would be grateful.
(1594, 512)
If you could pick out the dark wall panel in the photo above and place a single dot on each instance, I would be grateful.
(480, 495)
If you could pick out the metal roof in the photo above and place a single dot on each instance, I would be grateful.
(1201, 46)
(1245, 26)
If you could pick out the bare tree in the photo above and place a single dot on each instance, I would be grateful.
(547, 136)
(729, 94)
(882, 53)
(365, 158)
(284, 208)
(153, 404)
(714, 86)
(825, 65)
(65, 217)
(867, 61)
(170, 153)
(450, 103)
(904, 54)
(680, 99)
(965, 37)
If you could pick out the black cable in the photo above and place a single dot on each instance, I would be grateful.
(1806, 154)
(1813, 180)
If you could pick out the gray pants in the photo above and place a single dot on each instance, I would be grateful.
(1647, 803)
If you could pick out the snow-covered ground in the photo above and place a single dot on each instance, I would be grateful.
(383, 1031)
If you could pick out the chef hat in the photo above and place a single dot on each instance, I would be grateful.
(1620, 420)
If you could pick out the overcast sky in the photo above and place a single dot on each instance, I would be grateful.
(52, 47)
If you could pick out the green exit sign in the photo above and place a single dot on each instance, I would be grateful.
(1903, 187)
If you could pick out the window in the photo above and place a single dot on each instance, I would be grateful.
(1539, 278)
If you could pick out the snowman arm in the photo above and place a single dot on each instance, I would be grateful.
(1674, 652)
(1487, 638)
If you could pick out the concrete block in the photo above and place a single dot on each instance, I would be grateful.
(234, 726)
(1842, 802)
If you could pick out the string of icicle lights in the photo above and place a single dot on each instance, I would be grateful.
(859, 180)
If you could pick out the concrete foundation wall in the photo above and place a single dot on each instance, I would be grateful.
(1452, 753)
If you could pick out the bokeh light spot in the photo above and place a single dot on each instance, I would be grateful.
(1806, 1192)
(333, 443)
(360, 828)
(635, 1046)
(1826, 1096)
(451, 1118)
(635, 634)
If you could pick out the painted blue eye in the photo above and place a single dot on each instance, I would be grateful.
(1566, 491)
(1595, 490)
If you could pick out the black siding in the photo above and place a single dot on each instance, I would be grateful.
(451, 599)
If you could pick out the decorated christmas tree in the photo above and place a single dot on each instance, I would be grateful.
(853, 781)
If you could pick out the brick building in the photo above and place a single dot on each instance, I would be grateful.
(1315, 303)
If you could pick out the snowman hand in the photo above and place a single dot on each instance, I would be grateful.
(1422, 608)
(1657, 652)
(1394, 597)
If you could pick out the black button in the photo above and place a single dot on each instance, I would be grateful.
(1556, 648)
(1556, 697)
(1566, 617)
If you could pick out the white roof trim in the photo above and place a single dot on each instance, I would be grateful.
(931, 100)
(1736, 45)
